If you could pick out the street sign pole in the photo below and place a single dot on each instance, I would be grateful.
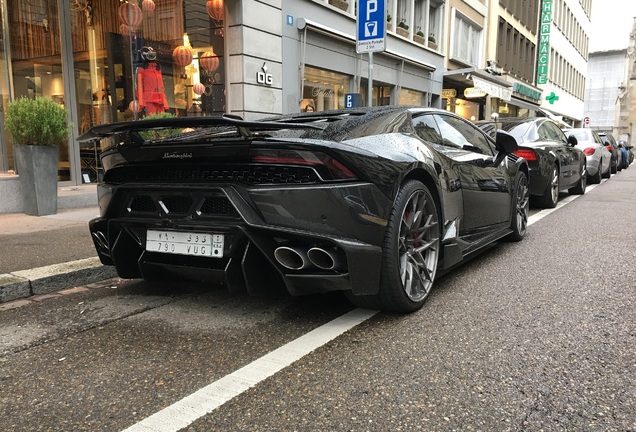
(371, 32)
(370, 82)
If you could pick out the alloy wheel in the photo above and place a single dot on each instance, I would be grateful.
(418, 246)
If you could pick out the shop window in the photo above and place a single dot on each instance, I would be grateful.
(324, 90)
(411, 97)
(133, 59)
(380, 94)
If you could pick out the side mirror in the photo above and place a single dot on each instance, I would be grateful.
(572, 140)
(506, 142)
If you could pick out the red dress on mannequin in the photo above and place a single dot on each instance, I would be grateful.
(150, 92)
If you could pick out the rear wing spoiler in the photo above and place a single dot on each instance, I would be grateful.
(244, 128)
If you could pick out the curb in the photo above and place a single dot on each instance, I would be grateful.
(52, 278)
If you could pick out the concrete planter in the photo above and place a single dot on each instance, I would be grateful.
(418, 39)
(37, 168)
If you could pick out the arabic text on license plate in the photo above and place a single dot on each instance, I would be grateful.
(185, 243)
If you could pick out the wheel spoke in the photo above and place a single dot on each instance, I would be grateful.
(418, 246)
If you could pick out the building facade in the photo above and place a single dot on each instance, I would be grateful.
(605, 84)
(563, 53)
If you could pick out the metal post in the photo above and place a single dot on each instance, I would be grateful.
(370, 82)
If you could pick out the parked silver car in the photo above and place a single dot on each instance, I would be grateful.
(598, 158)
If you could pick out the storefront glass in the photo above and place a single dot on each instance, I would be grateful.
(462, 107)
(324, 90)
(147, 58)
(505, 109)
(380, 94)
(6, 151)
(35, 55)
(410, 97)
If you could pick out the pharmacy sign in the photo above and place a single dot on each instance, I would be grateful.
(544, 42)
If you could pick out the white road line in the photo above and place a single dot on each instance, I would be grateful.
(565, 201)
(184, 412)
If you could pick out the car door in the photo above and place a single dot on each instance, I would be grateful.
(484, 184)
(558, 144)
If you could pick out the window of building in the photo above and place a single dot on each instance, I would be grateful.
(466, 39)
(417, 19)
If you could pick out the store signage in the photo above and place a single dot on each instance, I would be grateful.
(544, 42)
(493, 89)
(526, 91)
(263, 77)
(449, 93)
(552, 98)
(371, 26)
(473, 92)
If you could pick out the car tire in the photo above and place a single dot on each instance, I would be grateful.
(579, 189)
(550, 197)
(607, 174)
(520, 208)
(615, 168)
(596, 178)
(410, 252)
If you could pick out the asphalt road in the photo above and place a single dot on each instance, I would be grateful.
(537, 335)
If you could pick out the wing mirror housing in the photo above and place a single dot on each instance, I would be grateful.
(572, 140)
(506, 142)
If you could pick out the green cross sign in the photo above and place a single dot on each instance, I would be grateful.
(552, 98)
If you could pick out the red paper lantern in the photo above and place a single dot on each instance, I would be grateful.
(182, 55)
(130, 14)
(134, 106)
(209, 61)
(124, 29)
(216, 9)
(148, 5)
(198, 88)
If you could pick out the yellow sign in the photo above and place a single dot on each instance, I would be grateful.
(449, 93)
(474, 92)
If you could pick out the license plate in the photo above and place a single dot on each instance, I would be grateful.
(185, 243)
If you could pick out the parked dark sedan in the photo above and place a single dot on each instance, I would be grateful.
(617, 154)
(555, 163)
(376, 202)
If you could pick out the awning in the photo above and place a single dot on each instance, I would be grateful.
(485, 81)
(523, 104)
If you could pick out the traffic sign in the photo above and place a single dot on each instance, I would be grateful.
(371, 26)
(353, 100)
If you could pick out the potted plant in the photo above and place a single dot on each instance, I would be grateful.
(403, 29)
(431, 42)
(36, 128)
(419, 37)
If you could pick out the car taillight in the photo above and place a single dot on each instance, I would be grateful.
(299, 157)
(527, 154)
(608, 147)
(589, 151)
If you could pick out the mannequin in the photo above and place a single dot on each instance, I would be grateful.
(150, 91)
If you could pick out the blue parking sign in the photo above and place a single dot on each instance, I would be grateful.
(371, 26)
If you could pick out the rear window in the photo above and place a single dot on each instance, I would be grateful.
(579, 135)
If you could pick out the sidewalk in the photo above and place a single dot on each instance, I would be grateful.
(45, 254)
